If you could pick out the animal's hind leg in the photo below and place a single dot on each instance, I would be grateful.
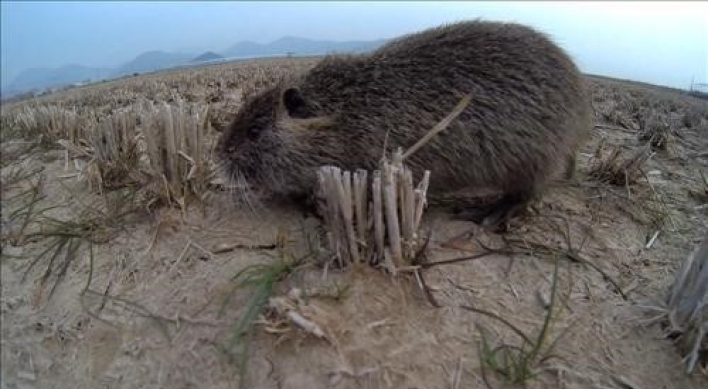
(498, 214)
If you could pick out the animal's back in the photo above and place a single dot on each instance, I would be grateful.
(526, 116)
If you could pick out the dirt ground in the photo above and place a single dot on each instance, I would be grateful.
(150, 317)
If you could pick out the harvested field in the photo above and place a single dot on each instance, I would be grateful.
(127, 262)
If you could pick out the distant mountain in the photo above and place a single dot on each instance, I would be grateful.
(151, 61)
(41, 78)
(299, 46)
(206, 57)
(243, 48)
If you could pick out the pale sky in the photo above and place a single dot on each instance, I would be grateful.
(658, 42)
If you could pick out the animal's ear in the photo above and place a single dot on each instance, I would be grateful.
(295, 104)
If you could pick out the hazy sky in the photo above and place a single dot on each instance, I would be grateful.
(663, 43)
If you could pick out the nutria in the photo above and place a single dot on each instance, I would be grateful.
(527, 115)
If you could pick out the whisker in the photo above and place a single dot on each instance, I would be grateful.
(237, 187)
(245, 190)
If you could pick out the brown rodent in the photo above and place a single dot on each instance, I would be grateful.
(527, 115)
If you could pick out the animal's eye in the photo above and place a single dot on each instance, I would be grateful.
(252, 133)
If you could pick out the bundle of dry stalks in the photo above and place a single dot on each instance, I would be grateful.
(158, 149)
(656, 131)
(614, 169)
(686, 311)
(105, 154)
(378, 220)
(114, 144)
(180, 164)
(694, 116)
(360, 217)
(46, 122)
(621, 181)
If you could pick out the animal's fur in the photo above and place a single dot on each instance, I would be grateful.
(527, 115)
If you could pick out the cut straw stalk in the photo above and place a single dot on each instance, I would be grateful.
(360, 181)
(379, 232)
(328, 177)
(405, 193)
(344, 189)
(440, 126)
(420, 199)
(390, 207)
